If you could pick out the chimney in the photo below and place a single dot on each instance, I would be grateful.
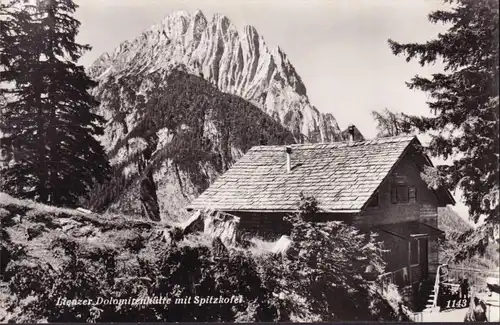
(350, 130)
(288, 151)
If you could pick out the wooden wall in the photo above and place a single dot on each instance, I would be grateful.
(423, 209)
(397, 256)
(265, 225)
(272, 224)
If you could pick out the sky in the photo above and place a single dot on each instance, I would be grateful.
(338, 47)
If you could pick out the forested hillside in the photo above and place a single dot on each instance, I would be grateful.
(184, 133)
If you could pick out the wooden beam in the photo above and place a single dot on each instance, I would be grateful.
(409, 261)
(347, 211)
(418, 248)
(392, 233)
(419, 235)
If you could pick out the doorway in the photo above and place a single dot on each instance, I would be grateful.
(423, 248)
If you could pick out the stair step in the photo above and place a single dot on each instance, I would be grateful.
(430, 300)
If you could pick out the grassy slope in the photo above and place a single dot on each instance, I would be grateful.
(34, 226)
(30, 232)
(38, 243)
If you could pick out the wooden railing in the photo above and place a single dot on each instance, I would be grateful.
(439, 278)
(403, 276)
(396, 277)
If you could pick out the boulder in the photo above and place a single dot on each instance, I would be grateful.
(222, 225)
(194, 224)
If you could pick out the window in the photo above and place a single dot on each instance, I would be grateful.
(399, 194)
(402, 193)
(374, 200)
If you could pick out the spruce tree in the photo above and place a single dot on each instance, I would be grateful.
(49, 115)
(464, 102)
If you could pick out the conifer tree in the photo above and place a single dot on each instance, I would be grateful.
(464, 102)
(389, 124)
(48, 114)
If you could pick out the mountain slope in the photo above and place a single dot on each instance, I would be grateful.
(451, 223)
(455, 227)
(178, 136)
(236, 62)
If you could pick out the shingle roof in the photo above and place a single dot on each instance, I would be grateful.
(341, 175)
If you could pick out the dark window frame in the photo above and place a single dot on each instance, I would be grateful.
(400, 194)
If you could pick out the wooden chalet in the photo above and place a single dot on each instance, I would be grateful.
(374, 185)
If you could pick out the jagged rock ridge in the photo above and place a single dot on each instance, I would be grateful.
(236, 62)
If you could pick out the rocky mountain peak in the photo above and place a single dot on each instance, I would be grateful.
(236, 61)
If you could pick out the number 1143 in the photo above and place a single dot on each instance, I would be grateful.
(460, 303)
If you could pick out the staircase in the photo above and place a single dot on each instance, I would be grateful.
(430, 296)
(426, 295)
(431, 286)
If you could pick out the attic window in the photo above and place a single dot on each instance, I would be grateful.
(400, 194)
(374, 200)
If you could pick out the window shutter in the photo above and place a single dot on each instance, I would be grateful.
(412, 194)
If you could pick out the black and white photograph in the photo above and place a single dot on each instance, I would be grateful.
(249, 161)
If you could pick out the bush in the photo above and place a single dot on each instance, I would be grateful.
(183, 270)
(324, 267)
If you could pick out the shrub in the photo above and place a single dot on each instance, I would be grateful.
(182, 270)
(323, 269)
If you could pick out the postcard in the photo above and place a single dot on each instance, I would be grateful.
(249, 161)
